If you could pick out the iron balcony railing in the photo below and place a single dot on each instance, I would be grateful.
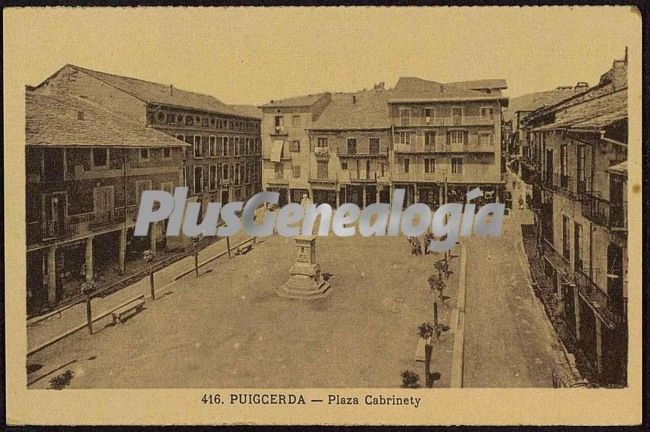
(598, 300)
(77, 224)
(445, 121)
(604, 213)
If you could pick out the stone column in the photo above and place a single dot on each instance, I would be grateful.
(122, 254)
(377, 194)
(561, 294)
(338, 198)
(364, 195)
(51, 275)
(415, 193)
(89, 259)
(576, 302)
(599, 345)
(153, 237)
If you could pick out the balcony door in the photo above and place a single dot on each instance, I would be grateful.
(549, 166)
(55, 211)
(104, 203)
(457, 115)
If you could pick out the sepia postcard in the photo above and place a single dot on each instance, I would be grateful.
(301, 215)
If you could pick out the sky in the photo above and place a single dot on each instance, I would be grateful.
(253, 55)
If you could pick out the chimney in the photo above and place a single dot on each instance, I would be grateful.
(171, 89)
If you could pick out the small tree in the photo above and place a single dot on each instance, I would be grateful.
(88, 287)
(410, 379)
(426, 331)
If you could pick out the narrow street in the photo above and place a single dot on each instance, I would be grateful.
(508, 340)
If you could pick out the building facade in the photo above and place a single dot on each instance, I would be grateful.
(86, 168)
(434, 140)
(577, 153)
(224, 161)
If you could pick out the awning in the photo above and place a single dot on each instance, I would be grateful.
(276, 150)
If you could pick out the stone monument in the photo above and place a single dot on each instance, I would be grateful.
(305, 280)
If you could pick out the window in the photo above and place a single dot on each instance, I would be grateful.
(322, 142)
(578, 247)
(212, 177)
(456, 137)
(295, 146)
(352, 146)
(171, 119)
(456, 165)
(485, 138)
(487, 112)
(564, 162)
(198, 148)
(179, 119)
(429, 138)
(407, 163)
(225, 146)
(100, 158)
(405, 116)
(344, 166)
(428, 115)
(279, 170)
(198, 179)
(167, 152)
(189, 120)
(212, 149)
(581, 169)
(236, 174)
(296, 120)
(167, 187)
(141, 186)
(457, 114)
(144, 154)
(566, 247)
(429, 165)
(405, 138)
(279, 123)
(374, 145)
(236, 153)
(226, 172)
(296, 171)
(187, 180)
(322, 170)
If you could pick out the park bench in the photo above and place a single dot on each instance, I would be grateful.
(245, 248)
(128, 310)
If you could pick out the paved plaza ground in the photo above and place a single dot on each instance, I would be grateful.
(228, 328)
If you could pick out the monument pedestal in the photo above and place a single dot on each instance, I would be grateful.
(305, 280)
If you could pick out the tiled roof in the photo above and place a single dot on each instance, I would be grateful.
(151, 92)
(298, 101)
(532, 101)
(56, 120)
(595, 113)
(497, 83)
(248, 110)
(360, 110)
(417, 89)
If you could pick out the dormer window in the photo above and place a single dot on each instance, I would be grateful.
(80, 115)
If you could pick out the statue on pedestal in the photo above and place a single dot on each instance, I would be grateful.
(305, 280)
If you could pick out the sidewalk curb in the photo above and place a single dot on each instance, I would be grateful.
(459, 337)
